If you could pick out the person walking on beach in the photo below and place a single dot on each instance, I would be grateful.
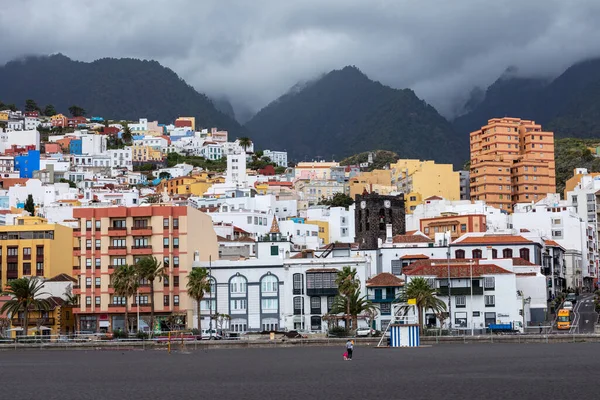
(349, 348)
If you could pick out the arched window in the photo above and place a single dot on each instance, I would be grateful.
(524, 254)
(494, 253)
(477, 253)
(381, 219)
(237, 285)
(459, 254)
(507, 253)
(269, 284)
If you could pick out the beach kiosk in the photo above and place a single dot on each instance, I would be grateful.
(403, 329)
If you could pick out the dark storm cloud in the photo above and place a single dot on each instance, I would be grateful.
(253, 51)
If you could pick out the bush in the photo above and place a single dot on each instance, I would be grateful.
(338, 331)
(195, 331)
(119, 334)
(142, 335)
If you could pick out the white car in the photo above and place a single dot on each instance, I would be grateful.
(365, 332)
(207, 334)
(567, 305)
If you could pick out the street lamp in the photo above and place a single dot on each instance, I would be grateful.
(471, 284)
(449, 288)
(210, 298)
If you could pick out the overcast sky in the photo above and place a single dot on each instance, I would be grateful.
(252, 51)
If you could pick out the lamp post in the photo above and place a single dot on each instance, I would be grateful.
(449, 289)
(471, 301)
(210, 298)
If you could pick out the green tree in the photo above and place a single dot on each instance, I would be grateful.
(151, 269)
(30, 205)
(71, 183)
(425, 297)
(244, 142)
(49, 110)
(127, 136)
(25, 295)
(125, 281)
(347, 283)
(352, 305)
(31, 105)
(77, 111)
(338, 200)
(198, 285)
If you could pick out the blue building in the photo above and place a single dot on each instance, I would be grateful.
(97, 119)
(26, 164)
(75, 146)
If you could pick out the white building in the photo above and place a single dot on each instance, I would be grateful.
(140, 128)
(282, 208)
(278, 157)
(121, 158)
(175, 171)
(20, 138)
(339, 220)
(42, 194)
(302, 235)
(93, 144)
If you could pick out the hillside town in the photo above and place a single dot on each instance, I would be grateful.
(145, 227)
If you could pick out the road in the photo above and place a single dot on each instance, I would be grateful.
(585, 314)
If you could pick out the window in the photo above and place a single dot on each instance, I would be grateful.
(397, 267)
(330, 300)
(88, 225)
(477, 253)
(26, 268)
(27, 253)
(142, 300)
(274, 250)
(98, 242)
(165, 223)
(459, 254)
(118, 300)
(238, 305)
(88, 300)
(385, 308)
(88, 282)
(460, 301)
(166, 262)
(269, 305)
(176, 243)
(176, 300)
(460, 319)
(315, 305)
(269, 284)
(118, 243)
(490, 300)
(490, 318)
(166, 243)
(166, 300)
(97, 301)
(489, 282)
(298, 305)
(88, 263)
(524, 254)
(97, 263)
(494, 253)
(249, 220)
(97, 282)
(88, 244)
(298, 284)
(237, 285)
(175, 262)
(175, 223)
(507, 253)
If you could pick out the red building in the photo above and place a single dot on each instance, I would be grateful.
(76, 121)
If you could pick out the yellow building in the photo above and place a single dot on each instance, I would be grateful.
(191, 119)
(574, 181)
(261, 188)
(195, 185)
(141, 153)
(377, 181)
(422, 179)
(33, 247)
(4, 116)
(58, 319)
(323, 230)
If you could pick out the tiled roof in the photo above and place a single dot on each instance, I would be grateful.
(414, 257)
(521, 261)
(434, 198)
(385, 279)
(411, 232)
(552, 243)
(274, 226)
(457, 270)
(526, 274)
(240, 230)
(61, 278)
(411, 239)
(493, 239)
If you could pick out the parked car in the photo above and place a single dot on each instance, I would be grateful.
(365, 332)
(572, 297)
(211, 334)
(567, 305)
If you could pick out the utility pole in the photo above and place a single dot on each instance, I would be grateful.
(210, 299)
(449, 289)
(472, 322)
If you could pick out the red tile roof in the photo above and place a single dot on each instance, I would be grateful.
(385, 279)
(457, 270)
(552, 243)
(521, 261)
(434, 198)
(493, 239)
(414, 257)
(240, 230)
(411, 232)
(526, 273)
(411, 239)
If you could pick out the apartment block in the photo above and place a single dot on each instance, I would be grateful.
(512, 160)
(109, 237)
(33, 247)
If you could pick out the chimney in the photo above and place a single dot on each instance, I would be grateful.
(388, 233)
(489, 252)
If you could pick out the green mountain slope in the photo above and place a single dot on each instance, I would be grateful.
(112, 88)
(344, 113)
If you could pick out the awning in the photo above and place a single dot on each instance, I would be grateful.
(15, 330)
(104, 324)
(41, 328)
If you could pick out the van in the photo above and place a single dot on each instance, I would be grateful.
(563, 320)
(572, 297)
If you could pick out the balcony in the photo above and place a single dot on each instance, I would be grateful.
(117, 250)
(117, 231)
(383, 298)
(322, 292)
(141, 250)
(116, 305)
(33, 321)
(76, 267)
(141, 230)
(460, 291)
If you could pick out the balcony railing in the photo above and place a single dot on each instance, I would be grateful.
(117, 247)
(459, 291)
(33, 321)
(322, 292)
(115, 305)
(141, 230)
(380, 299)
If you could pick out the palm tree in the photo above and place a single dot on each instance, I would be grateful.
(425, 298)
(151, 269)
(354, 305)
(25, 293)
(127, 136)
(347, 284)
(245, 142)
(125, 281)
(198, 285)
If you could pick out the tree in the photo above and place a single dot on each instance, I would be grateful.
(25, 295)
(151, 269)
(221, 321)
(244, 142)
(31, 105)
(29, 205)
(77, 111)
(354, 305)
(125, 281)
(71, 183)
(198, 285)
(126, 135)
(49, 110)
(425, 297)
(347, 284)
(338, 200)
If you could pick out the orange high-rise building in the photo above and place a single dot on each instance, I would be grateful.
(512, 161)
